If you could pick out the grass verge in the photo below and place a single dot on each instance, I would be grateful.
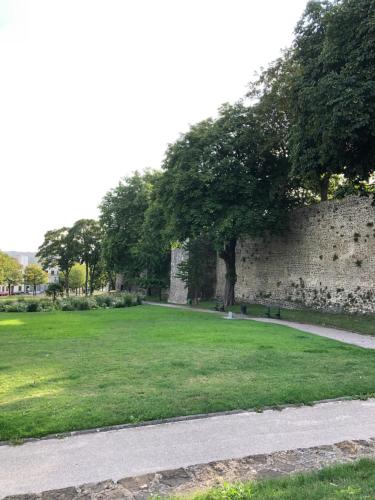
(344, 482)
(360, 323)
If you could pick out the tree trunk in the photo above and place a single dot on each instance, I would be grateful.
(324, 186)
(87, 279)
(229, 257)
(66, 283)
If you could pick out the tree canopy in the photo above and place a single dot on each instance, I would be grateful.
(322, 94)
(10, 271)
(223, 180)
(34, 275)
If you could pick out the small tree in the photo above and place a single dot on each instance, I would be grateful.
(54, 289)
(77, 277)
(12, 272)
(34, 275)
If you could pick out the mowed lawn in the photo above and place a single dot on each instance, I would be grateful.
(74, 370)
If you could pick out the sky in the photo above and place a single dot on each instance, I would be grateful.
(92, 90)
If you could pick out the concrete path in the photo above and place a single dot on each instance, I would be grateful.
(56, 463)
(365, 341)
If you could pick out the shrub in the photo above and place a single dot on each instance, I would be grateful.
(15, 307)
(105, 300)
(77, 304)
(22, 304)
(33, 306)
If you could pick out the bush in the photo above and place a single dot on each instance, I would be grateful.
(15, 307)
(33, 306)
(105, 300)
(23, 304)
(77, 304)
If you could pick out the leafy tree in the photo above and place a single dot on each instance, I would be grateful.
(77, 277)
(223, 180)
(86, 237)
(10, 271)
(318, 99)
(99, 276)
(34, 275)
(198, 269)
(58, 250)
(3, 259)
(122, 216)
(333, 92)
(153, 248)
(54, 289)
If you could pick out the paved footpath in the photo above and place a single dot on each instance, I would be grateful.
(83, 458)
(365, 341)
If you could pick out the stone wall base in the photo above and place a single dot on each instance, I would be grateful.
(198, 477)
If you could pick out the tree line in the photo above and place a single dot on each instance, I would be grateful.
(12, 273)
(304, 132)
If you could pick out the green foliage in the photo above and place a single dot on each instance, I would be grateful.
(57, 250)
(10, 270)
(54, 289)
(122, 215)
(319, 98)
(153, 248)
(223, 180)
(28, 305)
(86, 238)
(34, 275)
(33, 306)
(77, 277)
(135, 241)
(70, 303)
(199, 267)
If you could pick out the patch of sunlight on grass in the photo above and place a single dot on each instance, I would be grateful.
(21, 386)
(34, 394)
(11, 322)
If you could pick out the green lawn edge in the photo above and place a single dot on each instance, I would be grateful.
(357, 323)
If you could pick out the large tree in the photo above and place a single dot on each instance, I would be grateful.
(153, 248)
(224, 180)
(58, 250)
(122, 216)
(34, 275)
(86, 237)
(333, 92)
(318, 99)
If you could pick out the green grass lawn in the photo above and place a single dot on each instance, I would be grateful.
(61, 371)
(343, 482)
(361, 323)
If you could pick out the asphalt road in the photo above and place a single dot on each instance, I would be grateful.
(57, 463)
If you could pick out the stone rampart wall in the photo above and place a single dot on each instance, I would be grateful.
(326, 260)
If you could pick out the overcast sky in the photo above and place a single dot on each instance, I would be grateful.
(91, 90)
